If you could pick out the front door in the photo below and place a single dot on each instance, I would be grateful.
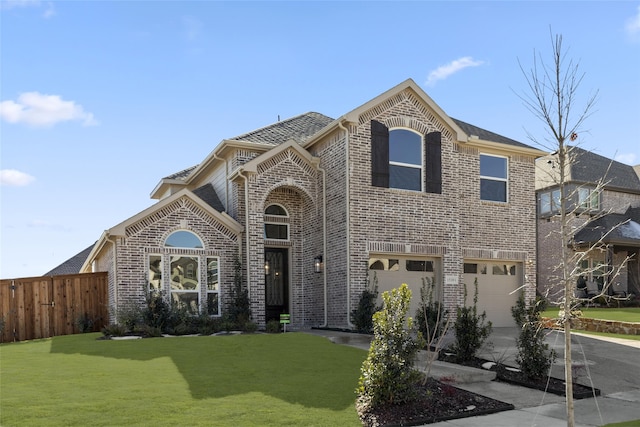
(276, 276)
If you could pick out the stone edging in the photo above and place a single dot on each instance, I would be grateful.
(598, 325)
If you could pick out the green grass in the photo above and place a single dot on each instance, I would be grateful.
(619, 314)
(606, 334)
(250, 380)
(635, 423)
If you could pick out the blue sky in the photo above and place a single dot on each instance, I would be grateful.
(100, 100)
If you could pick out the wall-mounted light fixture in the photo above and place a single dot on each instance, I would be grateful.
(267, 267)
(317, 264)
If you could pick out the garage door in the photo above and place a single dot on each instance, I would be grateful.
(498, 284)
(393, 271)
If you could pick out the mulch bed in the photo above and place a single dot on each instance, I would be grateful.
(512, 375)
(437, 401)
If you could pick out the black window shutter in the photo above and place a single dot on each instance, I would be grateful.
(379, 154)
(433, 153)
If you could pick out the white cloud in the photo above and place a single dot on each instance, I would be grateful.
(39, 110)
(453, 67)
(633, 24)
(15, 178)
(629, 158)
(12, 4)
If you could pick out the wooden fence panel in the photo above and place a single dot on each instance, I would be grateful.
(41, 307)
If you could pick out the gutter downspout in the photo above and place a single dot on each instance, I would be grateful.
(246, 226)
(348, 221)
(324, 242)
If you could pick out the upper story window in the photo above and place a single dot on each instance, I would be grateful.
(405, 159)
(493, 178)
(276, 223)
(579, 200)
(588, 199)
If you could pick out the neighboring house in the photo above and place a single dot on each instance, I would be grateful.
(71, 266)
(313, 206)
(603, 199)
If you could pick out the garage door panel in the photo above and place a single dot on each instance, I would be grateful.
(497, 291)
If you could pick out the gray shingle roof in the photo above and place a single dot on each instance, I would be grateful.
(611, 228)
(182, 174)
(486, 135)
(591, 167)
(208, 194)
(299, 128)
(72, 265)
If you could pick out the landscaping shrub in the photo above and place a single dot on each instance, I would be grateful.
(387, 374)
(84, 323)
(534, 357)
(431, 317)
(471, 329)
(157, 312)
(273, 326)
(239, 310)
(362, 315)
(130, 317)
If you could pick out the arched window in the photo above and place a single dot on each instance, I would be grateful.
(405, 159)
(276, 222)
(183, 239)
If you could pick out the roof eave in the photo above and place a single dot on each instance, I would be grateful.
(481, 143)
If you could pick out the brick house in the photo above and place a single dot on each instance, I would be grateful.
(313, 207)
(603, 201)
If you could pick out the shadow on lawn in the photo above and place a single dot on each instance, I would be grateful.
(295, 367)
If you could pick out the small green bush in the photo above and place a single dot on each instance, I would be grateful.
(84, 323)
(273, 326)
(157, 312)
(362, 315)
(534, 357)
(387, 374)
(114, 330)
(130, 316)
(239, 310)
(431, 317)
(471, 329)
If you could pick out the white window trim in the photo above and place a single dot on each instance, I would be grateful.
(206, 285)
(493, 178)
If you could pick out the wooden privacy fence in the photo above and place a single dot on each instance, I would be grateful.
(42, 307)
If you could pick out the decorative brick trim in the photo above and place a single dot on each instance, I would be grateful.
(493, 254)
(405, 248)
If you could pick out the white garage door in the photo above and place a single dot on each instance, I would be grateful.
(498, 284)
(392, 271)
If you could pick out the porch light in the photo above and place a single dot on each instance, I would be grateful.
(317, 264)
(267, 267)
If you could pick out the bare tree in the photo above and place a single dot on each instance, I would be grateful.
(552, 98)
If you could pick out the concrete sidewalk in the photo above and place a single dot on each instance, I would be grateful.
(613, 366)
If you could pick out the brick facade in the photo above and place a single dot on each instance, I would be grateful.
(335, 212)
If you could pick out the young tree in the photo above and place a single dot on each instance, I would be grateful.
(552, 97)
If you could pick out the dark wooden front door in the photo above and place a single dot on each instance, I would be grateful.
(276, 282)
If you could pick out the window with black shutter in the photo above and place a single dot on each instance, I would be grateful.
(404, 159)
(379, 154)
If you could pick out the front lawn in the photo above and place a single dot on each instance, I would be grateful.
(249, 380)
(629, 314)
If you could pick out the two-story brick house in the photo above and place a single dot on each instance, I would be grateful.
(603, 206)
(313, 206)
